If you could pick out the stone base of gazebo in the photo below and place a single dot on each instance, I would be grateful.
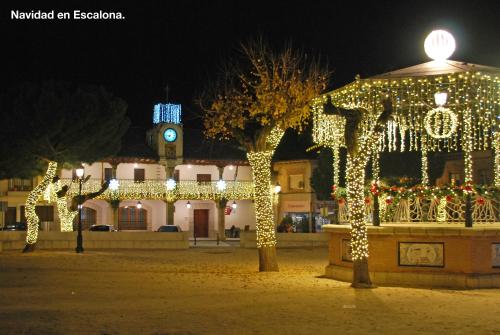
(429, 255)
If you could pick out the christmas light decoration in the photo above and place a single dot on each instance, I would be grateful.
(467, 146)
(167, 113)
(439, 45)
(441, 210)
(328, 130)
(31, 217)
(355, 175)
(441, 122)
(497, 158)
(261, 170)
(158, 190)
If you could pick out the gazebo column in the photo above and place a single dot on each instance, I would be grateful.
(467, 146)
(425, 161)
(496, 152)
(376, 179)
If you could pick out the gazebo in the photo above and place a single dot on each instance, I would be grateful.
(441, 105)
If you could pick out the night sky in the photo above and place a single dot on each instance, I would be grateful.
(182, 43)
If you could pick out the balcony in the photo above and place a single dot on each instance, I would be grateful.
(153, 189)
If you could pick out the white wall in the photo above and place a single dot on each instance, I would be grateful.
(243, 215)
(157, 171)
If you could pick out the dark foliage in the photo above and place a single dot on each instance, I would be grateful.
(58, 121)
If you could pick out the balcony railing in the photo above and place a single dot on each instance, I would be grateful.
(157, 190)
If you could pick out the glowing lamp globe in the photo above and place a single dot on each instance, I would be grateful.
(170, 184)
(221, 185)
(439, 45)
(114, 184)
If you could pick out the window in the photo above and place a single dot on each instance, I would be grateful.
(108, 174)
(131, 218)
(45, 213)
(88, 218)
(484, 176)
(296, 181)
(139, 175)
(18, 184)
(454, 178)
(203, 178)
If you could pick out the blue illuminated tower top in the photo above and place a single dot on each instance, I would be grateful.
(167, 113)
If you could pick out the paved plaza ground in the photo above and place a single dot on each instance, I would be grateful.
(219, 291)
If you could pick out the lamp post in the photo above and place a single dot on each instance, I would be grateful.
(79, 239)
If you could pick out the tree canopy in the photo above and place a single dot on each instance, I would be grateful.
(261, 91)
(58, 122)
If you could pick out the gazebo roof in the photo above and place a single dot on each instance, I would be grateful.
(434, 68)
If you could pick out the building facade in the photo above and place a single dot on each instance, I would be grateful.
(167, 181)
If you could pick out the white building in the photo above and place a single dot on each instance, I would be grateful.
(173, 176)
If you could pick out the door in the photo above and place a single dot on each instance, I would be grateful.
(200, 222)
(10, 215)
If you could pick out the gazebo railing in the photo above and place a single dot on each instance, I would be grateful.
(435, 210)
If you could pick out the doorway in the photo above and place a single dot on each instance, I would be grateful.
(200, 222)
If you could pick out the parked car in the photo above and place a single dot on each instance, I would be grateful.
(15, 226)
(169, 229)
(102, 227)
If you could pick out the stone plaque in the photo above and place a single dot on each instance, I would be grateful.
(495, 255)
(421, 254)
(346, 250)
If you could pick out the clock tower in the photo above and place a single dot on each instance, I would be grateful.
(166, 137)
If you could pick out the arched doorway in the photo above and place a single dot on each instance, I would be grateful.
(88, 218)
(132, 218)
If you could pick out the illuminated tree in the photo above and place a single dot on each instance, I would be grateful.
(362, 131)
(254, 101)
(56, 124)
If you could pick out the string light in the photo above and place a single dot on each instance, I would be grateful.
(328, 130)
(261, 170)
(167, 113)
(441, 210)
(441, 122)
(497, 158)
(31, 217)
(158, 190)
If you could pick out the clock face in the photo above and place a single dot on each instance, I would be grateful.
(170, 135)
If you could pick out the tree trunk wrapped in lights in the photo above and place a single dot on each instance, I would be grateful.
(31, 201)
(360, 138)
(356, 164)
(66, 216)
(266, 235)
(253, 101)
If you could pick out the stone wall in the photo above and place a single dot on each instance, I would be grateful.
(248, 239)
(98, 240)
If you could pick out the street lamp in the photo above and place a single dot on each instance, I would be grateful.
(79, 239)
